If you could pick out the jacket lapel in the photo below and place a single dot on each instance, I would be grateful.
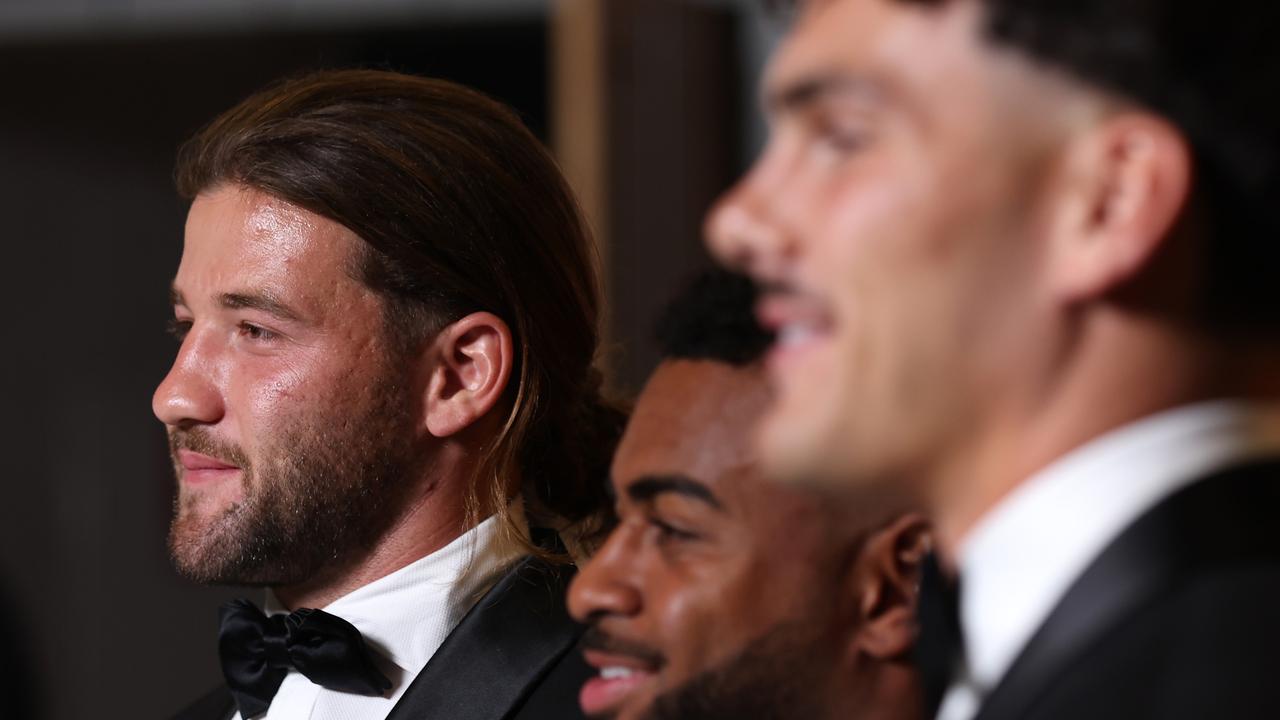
(500, 650)
(1220, 519)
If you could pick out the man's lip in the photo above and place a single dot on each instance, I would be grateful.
(797, 321)
(196, 462)
(619, 676)
(598, 660)
(776, 311)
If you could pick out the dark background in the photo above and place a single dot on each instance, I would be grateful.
(89, 123)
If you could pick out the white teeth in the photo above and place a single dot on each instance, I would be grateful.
(795, 334)
(614, 673)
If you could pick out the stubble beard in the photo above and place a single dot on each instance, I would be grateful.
(320, 493)
(778, 676)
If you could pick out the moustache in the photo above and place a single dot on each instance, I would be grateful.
(779, 289)
(202, 441)
(596, 639)
(773, 287)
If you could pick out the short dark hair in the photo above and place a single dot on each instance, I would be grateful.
(713, 318)
(1209, 68)
(461, 210)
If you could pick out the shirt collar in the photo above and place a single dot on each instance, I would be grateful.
(405, 616)
(1022, 557)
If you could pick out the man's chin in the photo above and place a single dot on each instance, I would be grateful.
(789, 454)
(196, 561)
(208, 501)
(207, 547)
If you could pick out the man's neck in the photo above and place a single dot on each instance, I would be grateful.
(1120, 372)
(890, 690)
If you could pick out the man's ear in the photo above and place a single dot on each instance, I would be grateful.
(887, 580)
(472, 361)
(1126, 181)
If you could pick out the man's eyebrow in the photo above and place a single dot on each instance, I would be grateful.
(258, 301)
(235, 301)
(795, 95)
(649, 487)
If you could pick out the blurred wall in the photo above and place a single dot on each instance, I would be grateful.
(676, 108)
(672, 98)
(96, 98)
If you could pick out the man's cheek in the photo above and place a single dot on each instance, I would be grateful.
(687, 631)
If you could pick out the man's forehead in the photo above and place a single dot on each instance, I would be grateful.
(228, 215)
(239, 239)
(694, 418)
(878, 46)
(827, 37)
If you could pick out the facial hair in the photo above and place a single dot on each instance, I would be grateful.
(778, 676)
(318, 493)
(600, 641)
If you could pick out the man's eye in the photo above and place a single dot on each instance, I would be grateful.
(845, 142)
(842, 140)
(669, 533)
(254, 332)
(179, 329)
(841, 136)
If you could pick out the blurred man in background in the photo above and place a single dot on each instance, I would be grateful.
(1021, 256)
(387, 308)
(720, 595)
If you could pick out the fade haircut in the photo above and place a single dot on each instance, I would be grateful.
(460, 210)
(1211, 70)
(713, 318)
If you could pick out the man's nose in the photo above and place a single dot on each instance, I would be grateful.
(605, 585)
(188, 394)
(741, 233)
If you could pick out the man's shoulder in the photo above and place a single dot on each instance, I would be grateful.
(1176, 618)
(1202, 642)
(1204, 649)
(1194, 548)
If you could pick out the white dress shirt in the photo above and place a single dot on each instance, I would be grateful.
(404, 618)
(1024, 554)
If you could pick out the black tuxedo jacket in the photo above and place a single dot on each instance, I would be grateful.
(1178, 618)
(513, 657)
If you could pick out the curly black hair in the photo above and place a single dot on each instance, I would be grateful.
(713, 319)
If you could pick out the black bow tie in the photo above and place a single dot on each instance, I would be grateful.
(258, 651)
(940, 647)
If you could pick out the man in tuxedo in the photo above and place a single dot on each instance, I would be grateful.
(1020, 254)
(387, 313)
(720, 595)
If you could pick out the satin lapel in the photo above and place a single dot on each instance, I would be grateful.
(1217, 520)
(500, 650)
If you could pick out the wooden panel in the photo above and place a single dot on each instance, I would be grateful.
(647, 128)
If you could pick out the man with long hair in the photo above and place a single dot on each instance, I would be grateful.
(383, 406)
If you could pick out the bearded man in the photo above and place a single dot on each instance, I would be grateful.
(720, 595)
(387, 311)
